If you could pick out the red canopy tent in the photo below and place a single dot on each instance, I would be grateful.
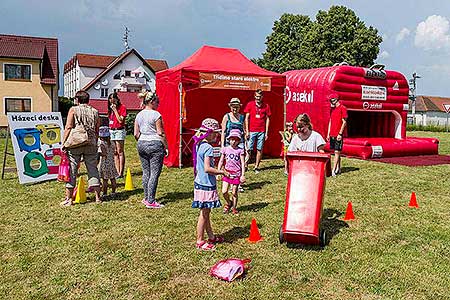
(201, 87)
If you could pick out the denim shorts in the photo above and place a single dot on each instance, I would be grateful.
(258, 138)
(118, 135)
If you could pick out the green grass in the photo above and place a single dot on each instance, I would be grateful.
(120, 250)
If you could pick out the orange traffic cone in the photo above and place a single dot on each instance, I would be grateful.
(254, 233)
(413, 200)
(349, 212)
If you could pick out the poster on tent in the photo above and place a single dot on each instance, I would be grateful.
(36, 140)
(234, 82)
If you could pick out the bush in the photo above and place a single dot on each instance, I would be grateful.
(432, 128)
(64, 105)
(129, 123)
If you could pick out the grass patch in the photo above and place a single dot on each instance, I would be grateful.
(120, 250)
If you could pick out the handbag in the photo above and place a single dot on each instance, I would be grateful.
(78, 136)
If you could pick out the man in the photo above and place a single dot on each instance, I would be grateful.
(336, 127)
(257, 120)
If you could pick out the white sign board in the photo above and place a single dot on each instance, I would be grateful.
(373, 92)
(446, 107)
(36, 140)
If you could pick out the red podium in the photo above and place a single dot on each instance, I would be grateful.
(304, 195)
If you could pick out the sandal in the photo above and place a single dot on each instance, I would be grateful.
(205, 246)
(226, 209)
(216, 240)
(66, 202)
(234, 211)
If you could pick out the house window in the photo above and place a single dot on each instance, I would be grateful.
(103, 93)
(17, 104)
(127, 73)
(17, 72)
(117, 75)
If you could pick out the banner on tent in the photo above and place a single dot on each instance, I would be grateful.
(36, 140)
(234, 82)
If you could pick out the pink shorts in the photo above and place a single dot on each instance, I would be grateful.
(234, 180)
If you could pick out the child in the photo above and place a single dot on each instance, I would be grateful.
(107, 167)
(286, 137)
(205, 190)
(234, 158)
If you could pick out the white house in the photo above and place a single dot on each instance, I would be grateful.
(101, 75)
(430, 110)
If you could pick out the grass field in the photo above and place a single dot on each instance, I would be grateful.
(120, 250)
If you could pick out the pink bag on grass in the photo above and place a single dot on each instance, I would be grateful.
(229, 269)
(64, 169)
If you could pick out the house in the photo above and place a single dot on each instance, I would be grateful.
(101, 75)
(430, 110)
(29, 79)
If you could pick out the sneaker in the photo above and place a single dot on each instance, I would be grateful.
(155, 205)
(226, 209)
(240, 189)
(333, 174)
(205, 246)
(234, 211)
(256, 170)
(145, 202)
(216, 240)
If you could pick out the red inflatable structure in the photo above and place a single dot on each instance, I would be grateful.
(201, 87)
(377, 104)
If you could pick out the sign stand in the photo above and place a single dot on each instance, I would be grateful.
(447, 110)
(6, 153)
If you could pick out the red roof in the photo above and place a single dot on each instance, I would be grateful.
(157, 64)
(430, 103)
(44, 49)
(94, 61)
(128, 99)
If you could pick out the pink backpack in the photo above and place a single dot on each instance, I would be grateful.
(229, 269)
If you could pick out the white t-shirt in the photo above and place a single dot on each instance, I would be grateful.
(309, 145)
(146, 119)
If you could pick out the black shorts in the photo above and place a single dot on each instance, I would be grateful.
(335, 144)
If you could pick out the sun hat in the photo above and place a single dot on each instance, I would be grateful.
(210, 124)
(103, 131)
(235, 133)
(234, 101)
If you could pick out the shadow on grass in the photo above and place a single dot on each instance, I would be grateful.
(331, 224)
(348, 169)
(274, 167)
(176, 196)
(256, 185)
(237, 233)
(254, 206)
(121, 196)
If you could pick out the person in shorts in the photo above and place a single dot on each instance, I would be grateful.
(117, 114)
(257, 120)
(336, 127)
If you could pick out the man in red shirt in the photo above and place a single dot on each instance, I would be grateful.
(336, 127)
(257, 119)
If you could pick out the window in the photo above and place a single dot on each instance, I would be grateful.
(127, 73)
(103, 93)
(17, 105)
(17, 72)
(117, 75)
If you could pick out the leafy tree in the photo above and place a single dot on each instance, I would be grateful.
(335, 36)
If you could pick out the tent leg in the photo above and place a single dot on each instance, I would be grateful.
(180, 156)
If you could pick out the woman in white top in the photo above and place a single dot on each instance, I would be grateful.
(306, 139)
(152, 146)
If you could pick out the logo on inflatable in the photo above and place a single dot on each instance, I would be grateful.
(367, 105)
(299, 96)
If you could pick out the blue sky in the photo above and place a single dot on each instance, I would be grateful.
(416, 34)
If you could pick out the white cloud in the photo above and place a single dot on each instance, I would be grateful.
(404, 32)
(433, 33)
(384, 55)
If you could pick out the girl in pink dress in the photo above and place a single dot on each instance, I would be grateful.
(233, 159)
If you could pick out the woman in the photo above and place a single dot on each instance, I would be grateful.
(117, 113)
(232, 120)
(152, 146)
(306, 139)
(88, 116)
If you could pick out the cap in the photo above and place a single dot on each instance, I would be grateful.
(333, 96)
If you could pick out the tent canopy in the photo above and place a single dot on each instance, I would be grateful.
(186, 98)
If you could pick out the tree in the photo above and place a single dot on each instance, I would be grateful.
(335, 36)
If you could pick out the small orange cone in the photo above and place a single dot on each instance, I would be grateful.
(413, 201)
(254, 233)
(349, 212)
